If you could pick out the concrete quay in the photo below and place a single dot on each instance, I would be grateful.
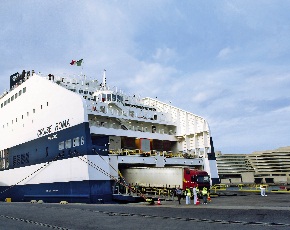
(243, 211)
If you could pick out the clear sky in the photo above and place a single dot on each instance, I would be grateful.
(227, 61)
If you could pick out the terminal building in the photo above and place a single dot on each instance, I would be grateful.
(270, 167)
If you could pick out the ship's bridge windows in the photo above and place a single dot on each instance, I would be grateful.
(24, 89)
(103, 97)
(8, 101)
(76, 141)
(68, 144)
(12, 98)
(61, 145)
(5, 102)
(16, 95)
(20, 92)
(119, 98)
(113, 97)
(109, 97)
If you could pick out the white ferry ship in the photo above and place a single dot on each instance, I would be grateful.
(66, 138)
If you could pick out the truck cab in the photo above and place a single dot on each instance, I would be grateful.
(196, 178)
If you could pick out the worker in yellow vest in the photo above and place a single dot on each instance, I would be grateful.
(204, 195)
(188, 195)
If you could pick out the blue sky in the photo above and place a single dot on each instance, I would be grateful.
(227, 61)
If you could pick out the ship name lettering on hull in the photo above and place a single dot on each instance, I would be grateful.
(53, 128)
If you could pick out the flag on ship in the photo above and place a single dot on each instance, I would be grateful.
(78, 63)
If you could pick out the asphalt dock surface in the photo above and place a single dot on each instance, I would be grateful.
(239, 211)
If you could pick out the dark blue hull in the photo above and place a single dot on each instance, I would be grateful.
(54, 147)
(92, 191)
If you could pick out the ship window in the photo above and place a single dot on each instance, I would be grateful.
(5, 102)
(12, 98)
(61, 145)
(24, 89)
(103, 97)
(41, 107)
(68, 144)
(16, 119)
(82, 140)
(76, 141)
(33, 110)
(27, 114)
(19, 93)
(22, 116)
(16, 95)
(113, 97)
(103, 109)
(85, 92)
(1, 105)
(81, 91)
(46, 103)
(109, 97)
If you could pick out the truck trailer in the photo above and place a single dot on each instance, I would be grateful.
(166, 177)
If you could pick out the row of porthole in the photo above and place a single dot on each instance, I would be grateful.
(22, 116)
(19, 93)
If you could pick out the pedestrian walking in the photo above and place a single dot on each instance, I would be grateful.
(263, 190)
(178, 194)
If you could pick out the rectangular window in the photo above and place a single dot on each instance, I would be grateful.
(46, 103)
(12, 98)
(1, 105)
(15, 95)
(68, 144)
(61, 145)
(19, 93)
(8, 100)
(76, 142)
(24, 89)
(33, 110)
(27, 114)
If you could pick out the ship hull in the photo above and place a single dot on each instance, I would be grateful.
(90, 191)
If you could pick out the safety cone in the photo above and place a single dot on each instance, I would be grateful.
(159, 202)
(197, 202)
(208, 198)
